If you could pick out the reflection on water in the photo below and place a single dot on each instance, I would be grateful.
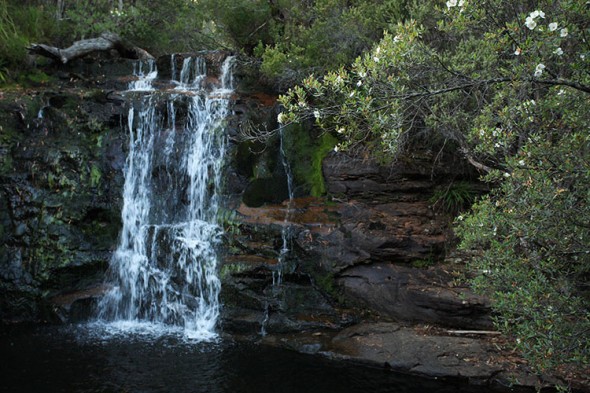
(79, 359)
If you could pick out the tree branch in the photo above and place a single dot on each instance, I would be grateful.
(106, 41)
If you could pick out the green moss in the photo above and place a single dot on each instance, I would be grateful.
(305, 153)
(326, 283)
(230, 269)
(95, 176)
(34, 78)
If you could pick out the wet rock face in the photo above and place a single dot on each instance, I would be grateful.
(374, 246)
(60, 188)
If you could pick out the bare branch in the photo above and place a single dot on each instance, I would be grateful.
(105, 42)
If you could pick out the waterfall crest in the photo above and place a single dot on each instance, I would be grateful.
(164, 270)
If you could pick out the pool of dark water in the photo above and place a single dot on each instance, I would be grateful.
(73, 359)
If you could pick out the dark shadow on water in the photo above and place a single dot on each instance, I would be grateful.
(75, 360)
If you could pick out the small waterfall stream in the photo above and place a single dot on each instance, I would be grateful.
(285, 235)
(164, 270)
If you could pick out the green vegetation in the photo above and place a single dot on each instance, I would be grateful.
(454, 197)
(507, 84)
(305, 153)
(291, 39)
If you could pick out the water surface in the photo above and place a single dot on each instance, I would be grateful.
(80, 359)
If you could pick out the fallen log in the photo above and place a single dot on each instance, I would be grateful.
(106, 42)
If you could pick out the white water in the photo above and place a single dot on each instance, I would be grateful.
(277, 277)
(146, 72)
(164, 271)
(192, 74)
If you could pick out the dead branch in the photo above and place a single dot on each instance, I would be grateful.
(106, 41)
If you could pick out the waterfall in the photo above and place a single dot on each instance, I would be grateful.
(164, 270)
(277, 277)
(193, 72)
(146, 72)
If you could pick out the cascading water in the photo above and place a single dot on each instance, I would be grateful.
(192, 73)
(146, 72)
(163, 272)
(277, 277)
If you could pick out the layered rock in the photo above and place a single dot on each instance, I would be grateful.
(374, 244)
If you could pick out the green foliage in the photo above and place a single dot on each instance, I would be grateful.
(13, 39)
(454, 197)
(159, 27)
(508, 84)
(243, 23)
(533, 232)
(230, 221)
(321, 35)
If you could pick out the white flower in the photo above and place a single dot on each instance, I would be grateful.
(536, 14)
(518, 51)
(558, 51)
(539, 69)
(582, 56)
(506, 174)
(376, 59)
(397, 38)
(521, 162)
(316, 114)
(553, 26)
(359, 83)
(340, 130)
(530, 23)
(336, 148)
(563, 32)
(378, 50)
(451, 3)
(482, 132)
(282, 118)
(461, 3)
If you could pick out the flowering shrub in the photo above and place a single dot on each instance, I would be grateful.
(509, 87)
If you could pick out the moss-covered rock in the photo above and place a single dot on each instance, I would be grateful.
(305, 149)
(60, 187)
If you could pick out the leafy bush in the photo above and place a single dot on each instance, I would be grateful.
(533, 234)
(507, 84)
(306, 37)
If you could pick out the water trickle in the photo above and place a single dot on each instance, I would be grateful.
(164, 271)
(173, 67)
(277, 277)
(193, 71)
(265, 319)
(146, 72)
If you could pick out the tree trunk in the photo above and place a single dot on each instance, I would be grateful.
(105, 42)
